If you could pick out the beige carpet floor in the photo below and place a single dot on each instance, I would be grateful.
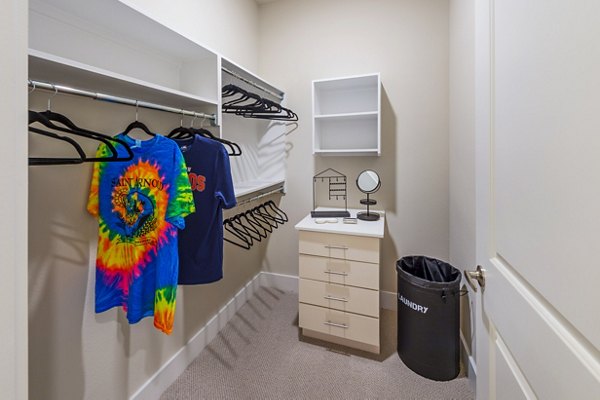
(261, 355)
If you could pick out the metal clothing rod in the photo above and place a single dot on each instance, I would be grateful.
(249, 82)
(115, 99)
(260, 196)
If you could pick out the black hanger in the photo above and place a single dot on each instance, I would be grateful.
(57, 161)
(257, 227)
(288, 115)
(187, 133)
(229, 90)
(237, 103)
(235, 148)
(277, 210)
(264, 224)
(241, 103)
(264, 212)
(251, 105)
(272, 111)
(265, 217)
(250, 232)
(42, 118)
(266, 107)
(137, 125)
(245, 243)
(267, 207)
(52, 116)
(181, 132)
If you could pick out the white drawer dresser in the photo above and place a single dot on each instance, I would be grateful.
(339, 281)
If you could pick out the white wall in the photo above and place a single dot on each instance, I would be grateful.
(228, 27)
(13, 202)
(407, 42)
(462, 151)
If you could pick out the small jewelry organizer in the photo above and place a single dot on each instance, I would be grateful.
(336, 186)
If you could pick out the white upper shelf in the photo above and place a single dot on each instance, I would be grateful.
(127, 54)
(117, 22)
(57, 70)
(246, 74)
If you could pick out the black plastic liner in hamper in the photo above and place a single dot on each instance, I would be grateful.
(428, 317)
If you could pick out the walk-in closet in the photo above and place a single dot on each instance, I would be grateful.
(299, 199)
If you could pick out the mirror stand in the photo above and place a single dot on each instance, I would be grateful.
(368, 215)
(368, 182)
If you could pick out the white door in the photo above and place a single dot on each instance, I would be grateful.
(538, 198)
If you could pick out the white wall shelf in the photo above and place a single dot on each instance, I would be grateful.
(347, 115)
(245, 73)
(58, 70)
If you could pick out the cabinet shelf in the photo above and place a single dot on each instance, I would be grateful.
(348, 152)
(356, 115)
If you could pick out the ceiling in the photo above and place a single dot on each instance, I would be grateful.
(264, 1)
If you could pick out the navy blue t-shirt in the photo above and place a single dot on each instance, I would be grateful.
(201, 242)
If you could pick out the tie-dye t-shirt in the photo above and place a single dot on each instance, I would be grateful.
(140, 204)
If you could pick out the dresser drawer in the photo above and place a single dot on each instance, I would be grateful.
(338, 323)
(337, 297)
(335, 270)
(345, 247)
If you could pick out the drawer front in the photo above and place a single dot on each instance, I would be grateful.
(343, 272)
(345, 247)
(338, 323)
(337, 297)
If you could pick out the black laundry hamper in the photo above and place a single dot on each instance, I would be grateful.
(428, 317)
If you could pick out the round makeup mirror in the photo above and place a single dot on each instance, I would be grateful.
(368, 182)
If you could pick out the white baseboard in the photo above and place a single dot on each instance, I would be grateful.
(286, 283)
(388, 301)
(170, 371)
(470, 361)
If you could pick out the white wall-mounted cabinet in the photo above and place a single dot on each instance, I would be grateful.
(347, 115)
